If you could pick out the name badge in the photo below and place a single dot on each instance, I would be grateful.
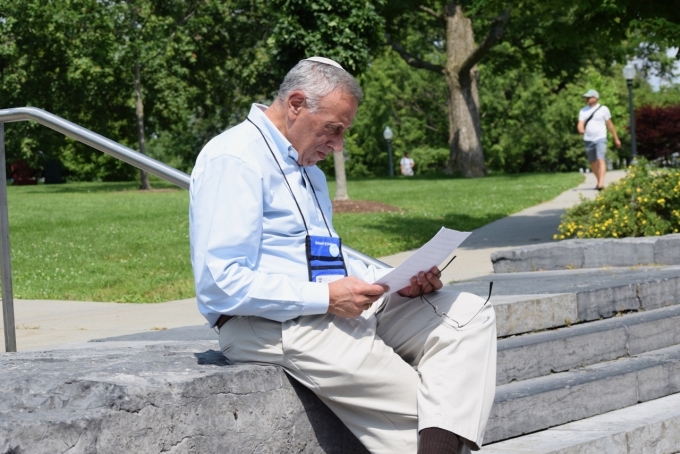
(324, 259)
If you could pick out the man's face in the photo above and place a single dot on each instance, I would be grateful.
(592, 101)
(316, 135)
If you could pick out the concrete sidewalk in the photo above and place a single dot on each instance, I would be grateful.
(533, 225)
(44, 324)
(48, 323)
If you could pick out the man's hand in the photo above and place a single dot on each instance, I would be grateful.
(617, 142)
(350, 296)
(423, 283)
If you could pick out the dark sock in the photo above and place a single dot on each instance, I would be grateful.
(434, 440)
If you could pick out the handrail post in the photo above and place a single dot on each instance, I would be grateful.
(7, 298)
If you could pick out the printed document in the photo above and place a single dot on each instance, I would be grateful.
(433, 253)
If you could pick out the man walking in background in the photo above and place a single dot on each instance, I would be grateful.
(593, 122)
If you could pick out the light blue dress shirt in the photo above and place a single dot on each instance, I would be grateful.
(247, 236)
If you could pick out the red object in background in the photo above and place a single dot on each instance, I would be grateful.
(658, 131)
(22, 174)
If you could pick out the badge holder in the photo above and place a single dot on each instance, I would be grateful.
(324, 259)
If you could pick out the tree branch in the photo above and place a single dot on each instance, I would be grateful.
(495, 34)
(432, 12)
(415, 61)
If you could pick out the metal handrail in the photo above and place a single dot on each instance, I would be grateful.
(104, 145)
(99, 142)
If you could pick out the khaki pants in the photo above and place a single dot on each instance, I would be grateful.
(397, 369)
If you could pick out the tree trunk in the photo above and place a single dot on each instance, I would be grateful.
(465, 132)
(340, 177)
(139, 111)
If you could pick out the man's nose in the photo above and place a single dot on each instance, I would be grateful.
(336, 142)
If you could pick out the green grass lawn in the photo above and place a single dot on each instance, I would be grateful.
(99, 242)
(429, 203)
(110, 242)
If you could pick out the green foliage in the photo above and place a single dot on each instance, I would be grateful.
(76, 59)
(529, 125)
(528, 119)
(411, 102)
(428, 160)
(348, 31)
(202, 65)
(205, 62)
(644, 203)
(58, 57)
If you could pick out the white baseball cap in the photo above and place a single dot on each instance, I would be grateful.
(591, 94)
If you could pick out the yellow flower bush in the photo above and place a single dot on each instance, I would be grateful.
(644, 203)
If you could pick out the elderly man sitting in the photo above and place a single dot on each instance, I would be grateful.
(411, 372)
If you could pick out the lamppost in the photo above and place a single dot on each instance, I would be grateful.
(629, 75)
(388, 134)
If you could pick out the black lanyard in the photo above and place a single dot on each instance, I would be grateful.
(290, 189)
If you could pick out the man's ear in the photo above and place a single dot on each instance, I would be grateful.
(296, 101)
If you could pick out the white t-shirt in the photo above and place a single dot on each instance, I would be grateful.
(596, 129)
(406, 166)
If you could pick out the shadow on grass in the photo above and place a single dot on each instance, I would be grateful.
(415, 231)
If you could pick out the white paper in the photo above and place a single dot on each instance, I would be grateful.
(433, 253)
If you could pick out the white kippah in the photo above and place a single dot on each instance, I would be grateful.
(324, 60)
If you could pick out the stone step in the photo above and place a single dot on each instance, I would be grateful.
(527, 302)
(589, 253)
(648, 428)
(518, 314)
(540, 403)
(559, 350)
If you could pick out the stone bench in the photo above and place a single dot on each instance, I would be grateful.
(175, 397)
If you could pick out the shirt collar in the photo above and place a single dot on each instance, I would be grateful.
(280, 142)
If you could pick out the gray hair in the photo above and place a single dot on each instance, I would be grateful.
(317, 80)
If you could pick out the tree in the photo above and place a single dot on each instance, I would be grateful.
(456, 38)
(151, 29)
(83, 60)
(174, 72)
(408, 101)
(567, 34)
(340, 176)
(348, 32)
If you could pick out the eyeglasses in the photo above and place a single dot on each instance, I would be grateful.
(450, 321)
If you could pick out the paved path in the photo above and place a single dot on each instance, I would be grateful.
(533, 225)
(44, 323)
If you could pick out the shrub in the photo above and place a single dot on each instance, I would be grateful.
(644, 203)
(658, 131)
(428, 160)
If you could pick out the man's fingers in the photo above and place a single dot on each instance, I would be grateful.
(430, 281)
(375, 290)
(434, 281)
